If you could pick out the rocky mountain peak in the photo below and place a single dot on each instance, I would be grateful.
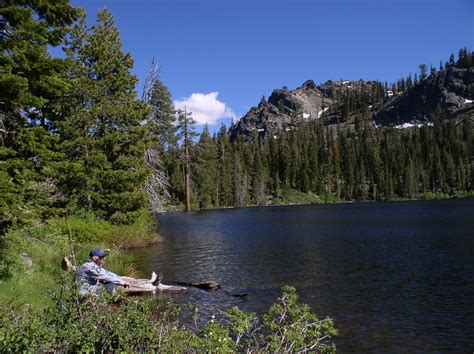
(339, 102)
(283, 110)
(309, 85)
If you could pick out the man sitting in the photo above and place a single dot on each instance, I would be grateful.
(91, 275)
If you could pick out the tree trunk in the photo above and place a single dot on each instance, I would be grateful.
(186, 179)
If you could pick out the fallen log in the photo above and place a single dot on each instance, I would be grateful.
(206, 285)
(149, 285)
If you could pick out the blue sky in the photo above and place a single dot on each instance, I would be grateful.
(219, 57)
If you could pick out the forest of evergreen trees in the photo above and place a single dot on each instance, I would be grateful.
(364, 164)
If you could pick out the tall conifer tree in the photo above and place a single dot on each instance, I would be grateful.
(186, 134)
(224, 171)
(206, 170)
(103, 135)
(31, 82)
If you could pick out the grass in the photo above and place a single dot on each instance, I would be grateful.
(31, 289)
(47, 243)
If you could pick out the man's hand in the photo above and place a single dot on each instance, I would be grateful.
(126, 285)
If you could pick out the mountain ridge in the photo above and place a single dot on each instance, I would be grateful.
(341, 102)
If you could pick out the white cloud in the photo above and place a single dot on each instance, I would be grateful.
(206, 108)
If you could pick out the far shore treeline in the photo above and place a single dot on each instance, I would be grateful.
(314, 164)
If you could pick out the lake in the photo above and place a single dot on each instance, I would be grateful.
(394, 276)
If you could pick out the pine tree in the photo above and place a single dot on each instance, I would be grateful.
(423, 71)
(30, 76)
(206, 170)
(31, 82)
(241, 181)
(409, 83)
(225, 193)
(186, 134)
(464, 58)
(103, 133)
(451, 59)
(258, 180)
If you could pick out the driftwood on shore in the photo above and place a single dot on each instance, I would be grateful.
(137, 286)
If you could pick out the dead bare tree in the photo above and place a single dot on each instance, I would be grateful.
(157, 185)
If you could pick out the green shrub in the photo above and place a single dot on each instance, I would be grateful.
(294, 328)
(96, 325)
(85, 228)
(119, 324)
(435, 195)
(292, 196)
(442, 195)
(138, 234)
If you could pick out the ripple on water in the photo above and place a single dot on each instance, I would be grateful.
(394, 276)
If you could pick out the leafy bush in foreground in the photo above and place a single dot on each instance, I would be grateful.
(107, 324)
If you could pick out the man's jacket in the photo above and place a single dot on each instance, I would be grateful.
(90, 275)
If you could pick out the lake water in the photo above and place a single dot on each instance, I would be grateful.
(394, 276)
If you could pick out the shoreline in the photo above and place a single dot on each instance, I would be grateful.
(467, 195)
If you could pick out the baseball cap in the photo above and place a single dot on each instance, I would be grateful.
(98, 252)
